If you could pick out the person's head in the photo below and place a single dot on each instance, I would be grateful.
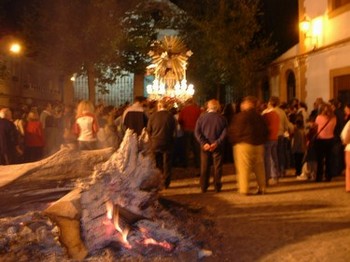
(140, 99)
(85, 106)
(318, 102)
(213, 105)
(68, 109)
(6, 113)
(326, 109)
(335, 103)
(33, 116)
(18, 114)
(161, 105)
(274, 101)
(249, 102)
(190, 101)
(347, 109)
(48, 107)
(295, 102)
(303, 105)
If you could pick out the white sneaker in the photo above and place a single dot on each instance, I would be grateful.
(302, 177)
(272, 182)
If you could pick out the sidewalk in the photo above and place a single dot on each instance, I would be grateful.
(294, 221)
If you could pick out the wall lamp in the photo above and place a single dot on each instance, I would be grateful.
(312, 30)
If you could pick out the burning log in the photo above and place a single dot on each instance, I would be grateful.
(119, 206)
(121, 182)
(30, 185)
(68, 162)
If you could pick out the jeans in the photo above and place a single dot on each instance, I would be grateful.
(282, 154)
(271, 160)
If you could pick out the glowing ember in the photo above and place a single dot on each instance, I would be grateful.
(109, 207)
(151, 241)
(113, 219)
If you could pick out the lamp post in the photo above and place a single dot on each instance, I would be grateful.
(15, 50)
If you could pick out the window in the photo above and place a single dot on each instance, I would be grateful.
(339, 3)
(342, 88)
(338, 7)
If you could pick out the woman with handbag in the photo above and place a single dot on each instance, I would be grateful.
(345, 137)
(325, 123)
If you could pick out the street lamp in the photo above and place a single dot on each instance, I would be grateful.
(312, 30)
(15, 48)
(305, 25)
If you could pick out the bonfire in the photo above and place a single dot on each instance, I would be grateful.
(115, 213)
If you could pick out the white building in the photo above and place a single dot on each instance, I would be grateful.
(319, 65)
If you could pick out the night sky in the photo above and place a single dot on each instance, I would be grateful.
(280, 19)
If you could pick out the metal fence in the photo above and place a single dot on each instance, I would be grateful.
(119, 93)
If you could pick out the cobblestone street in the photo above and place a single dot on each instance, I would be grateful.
(294, 221)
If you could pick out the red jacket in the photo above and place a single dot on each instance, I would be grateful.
(188, 117)
(33, 135)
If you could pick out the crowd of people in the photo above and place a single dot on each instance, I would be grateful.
(264, 139)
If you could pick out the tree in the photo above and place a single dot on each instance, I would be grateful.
(77, 36)
(99, 38)
(230, 49)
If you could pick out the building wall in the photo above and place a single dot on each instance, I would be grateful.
(318, 58)
(26, 82)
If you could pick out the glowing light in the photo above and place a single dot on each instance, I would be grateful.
(109, 207)
(317, 26)
(151, 241)
(15, 48)
(169, 68)
(312, 30)
(181, 91)
(305, 25)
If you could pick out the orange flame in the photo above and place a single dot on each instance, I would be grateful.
(114, 215)
(110, 209)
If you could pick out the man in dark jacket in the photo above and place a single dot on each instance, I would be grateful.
(9, 144)
(210, 133)
(134, 117)
(248, 133)
(161, 129)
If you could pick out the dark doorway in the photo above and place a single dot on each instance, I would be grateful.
(290, 85)
(342, 88)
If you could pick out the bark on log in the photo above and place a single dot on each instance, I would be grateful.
(65, 164)
(30, 186)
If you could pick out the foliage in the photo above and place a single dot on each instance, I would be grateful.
(110, 36)
(229, 47)
(70, 34)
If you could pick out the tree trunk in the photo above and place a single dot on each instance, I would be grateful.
(45, 180)
(91, 82)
